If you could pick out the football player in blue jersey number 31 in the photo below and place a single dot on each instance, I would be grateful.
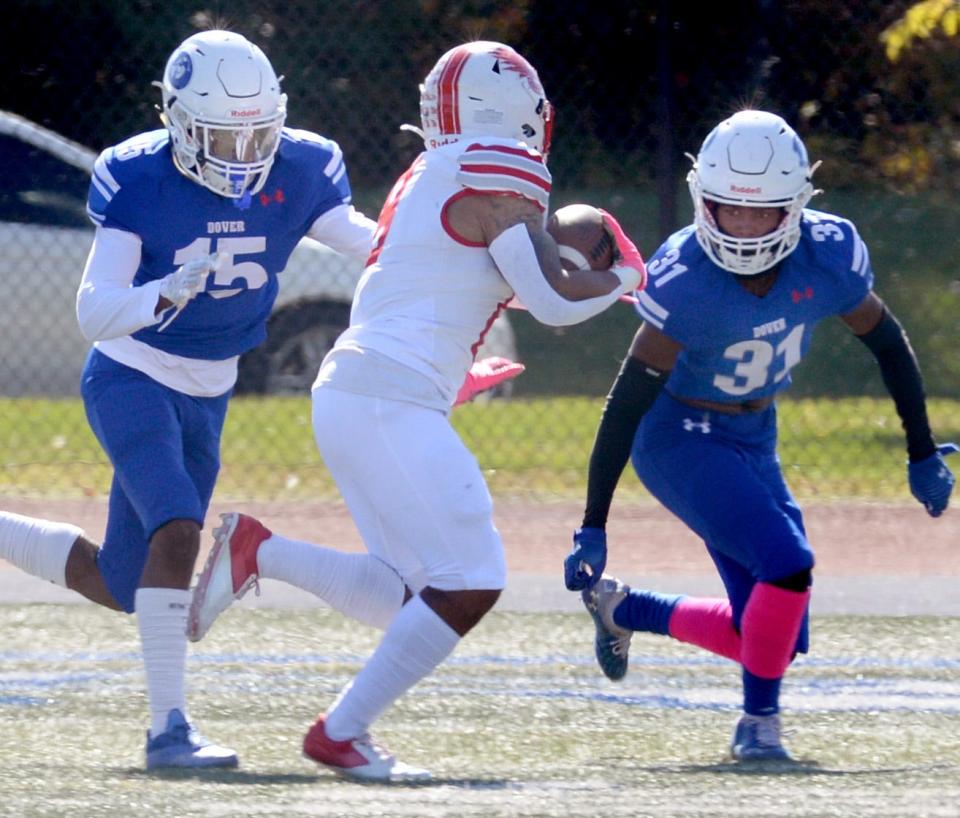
(729, 311)
(194, 223)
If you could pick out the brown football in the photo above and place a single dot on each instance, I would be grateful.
(581, 238)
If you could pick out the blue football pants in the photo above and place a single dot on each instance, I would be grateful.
(720, 475)
(165, 450)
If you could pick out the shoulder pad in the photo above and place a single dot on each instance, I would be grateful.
(122, 164)
(314, 148)
(837, 238)
(492, 167)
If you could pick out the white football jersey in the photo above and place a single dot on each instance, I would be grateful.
(428, 296)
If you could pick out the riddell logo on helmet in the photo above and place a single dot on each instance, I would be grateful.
(742, 189)
(245, 114)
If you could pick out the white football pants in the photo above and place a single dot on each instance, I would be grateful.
(415, 492)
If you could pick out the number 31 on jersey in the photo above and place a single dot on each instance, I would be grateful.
(755, 358)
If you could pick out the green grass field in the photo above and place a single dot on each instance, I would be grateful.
(832, 449)
(519, 722)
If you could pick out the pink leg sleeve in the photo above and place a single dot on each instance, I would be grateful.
(707, 623)
(770, 625)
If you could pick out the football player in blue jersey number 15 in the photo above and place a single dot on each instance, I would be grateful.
(729, 311)
(194, 223)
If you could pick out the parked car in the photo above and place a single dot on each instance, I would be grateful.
(45, 237)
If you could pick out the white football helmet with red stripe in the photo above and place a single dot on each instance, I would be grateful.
(752, 159)
(224, 110)
(484, 89)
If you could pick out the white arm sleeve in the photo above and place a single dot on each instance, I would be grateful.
(516, 259)
(345, 230)
(107, 306)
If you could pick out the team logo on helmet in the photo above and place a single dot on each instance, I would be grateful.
(800, 151)
(512, 61)
(181, 71)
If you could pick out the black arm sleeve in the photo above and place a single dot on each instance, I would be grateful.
(632, 394)
(901, 374)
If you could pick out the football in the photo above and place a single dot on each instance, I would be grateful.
(581, 238)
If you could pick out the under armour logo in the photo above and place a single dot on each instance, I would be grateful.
(799, 295)
(278, 196)
(689, 425)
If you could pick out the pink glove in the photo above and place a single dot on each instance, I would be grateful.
(486, 374)
(629, 254)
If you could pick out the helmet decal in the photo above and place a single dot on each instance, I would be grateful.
(181, 71)
(800, 151)
(512, 61)
(448, 94)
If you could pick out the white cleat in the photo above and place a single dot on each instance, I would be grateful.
(230, 571)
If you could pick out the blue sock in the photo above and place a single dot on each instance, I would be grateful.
(646, 611)
(761, 697)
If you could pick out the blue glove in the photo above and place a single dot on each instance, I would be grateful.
(931, 480)
(584, 565)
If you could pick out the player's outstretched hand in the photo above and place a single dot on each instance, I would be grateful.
(185, 282)
(931, 480)
(585, 563)
(629, 255)
(486, 374)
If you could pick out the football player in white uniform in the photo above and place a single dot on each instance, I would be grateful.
(461, 233)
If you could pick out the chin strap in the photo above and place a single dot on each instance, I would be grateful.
(413, 129)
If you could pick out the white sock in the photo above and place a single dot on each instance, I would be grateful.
(359, 585)
(39, 547)
(162, 621)
(416, 642)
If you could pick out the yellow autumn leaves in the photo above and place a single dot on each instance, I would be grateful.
(920, 22)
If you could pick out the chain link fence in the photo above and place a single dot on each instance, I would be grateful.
(871, 87)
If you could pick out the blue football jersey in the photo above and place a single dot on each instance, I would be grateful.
(737, 346)
(136, 187)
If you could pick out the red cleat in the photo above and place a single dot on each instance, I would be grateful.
(229, 572)
(357, 758)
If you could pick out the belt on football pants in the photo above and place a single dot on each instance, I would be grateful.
(742, 408)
